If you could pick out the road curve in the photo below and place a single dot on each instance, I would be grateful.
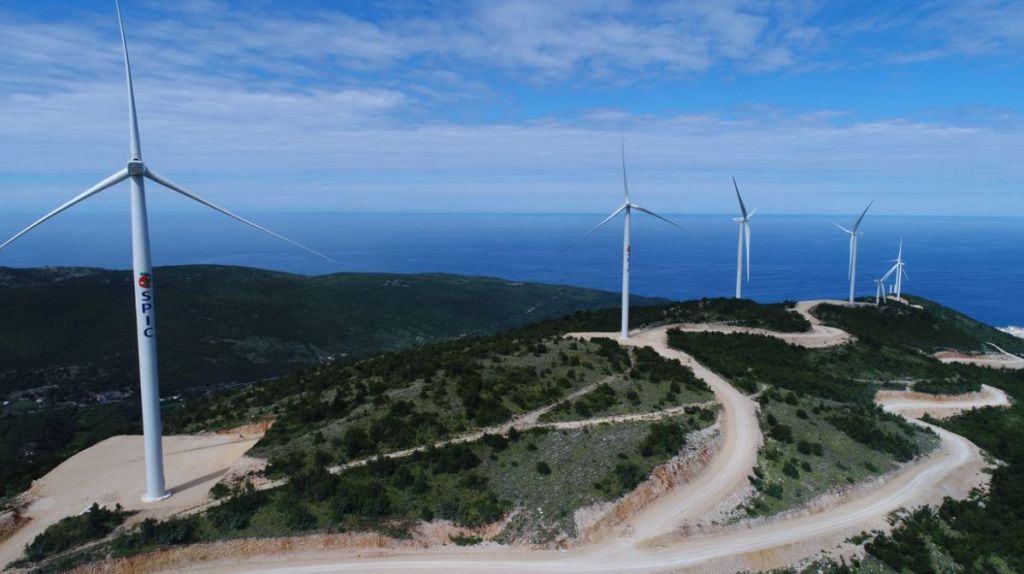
(819, 336)
(727, 471)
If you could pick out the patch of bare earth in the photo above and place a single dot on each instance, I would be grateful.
(112, 472)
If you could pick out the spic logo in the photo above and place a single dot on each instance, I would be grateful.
(146, 302)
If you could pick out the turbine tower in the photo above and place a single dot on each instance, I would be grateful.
(879, 290)
(136, 171)
(627, 208)
(744, 222)
(900, 269)
(851, 271)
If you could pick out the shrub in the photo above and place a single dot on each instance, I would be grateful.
(151, 533)
(663, 438)
(790, 470)
(73, 531)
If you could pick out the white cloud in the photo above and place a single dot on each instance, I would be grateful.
(366, 114)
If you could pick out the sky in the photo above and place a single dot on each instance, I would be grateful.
(520, 106)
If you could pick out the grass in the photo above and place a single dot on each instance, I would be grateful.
(813, 456)
(587, 466)
(848, 373)
(652, 384)
(369, 408)
(930, 329)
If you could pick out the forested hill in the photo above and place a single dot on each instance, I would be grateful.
(74, 327)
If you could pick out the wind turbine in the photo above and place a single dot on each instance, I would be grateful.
(744, 221)
(851, 272)
(899, 268)
(879, 290)
(136, 171)
(627, 208)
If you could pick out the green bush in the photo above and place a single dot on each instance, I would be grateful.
(663, 438)
(73, 531)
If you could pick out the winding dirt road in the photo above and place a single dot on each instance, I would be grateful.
(820, 335)
(649, 541)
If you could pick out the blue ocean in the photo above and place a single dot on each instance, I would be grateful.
(972, 264)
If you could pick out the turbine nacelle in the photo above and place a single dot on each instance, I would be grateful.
(136, 167)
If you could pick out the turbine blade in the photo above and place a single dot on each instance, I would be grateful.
(133, 119)
(752, 212)
(625, 182)
(112, 180)
(174, 187)
(595, 228)
(856, 226)
(889, 272)
(746, 228)
(743, 208)
(668, 221)
(843, 228)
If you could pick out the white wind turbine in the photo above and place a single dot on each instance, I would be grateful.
(627, 207)
(136, 171)
(899, 268)
(851, 272)
(744, 222)
(879, 290)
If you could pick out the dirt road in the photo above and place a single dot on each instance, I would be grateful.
(819, 336)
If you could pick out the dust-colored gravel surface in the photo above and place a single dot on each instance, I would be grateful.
(113, 472)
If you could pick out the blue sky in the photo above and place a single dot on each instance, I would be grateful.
(519, 106)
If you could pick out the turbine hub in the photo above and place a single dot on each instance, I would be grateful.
(136, 167)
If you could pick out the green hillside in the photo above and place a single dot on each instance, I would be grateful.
(928, 327)
(217, 324)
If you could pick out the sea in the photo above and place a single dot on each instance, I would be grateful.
(972, 264)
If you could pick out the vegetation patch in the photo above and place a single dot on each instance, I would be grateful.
(73, 531)
(853, 372)
(811, 447)
(468, 484)
(583, 467)
(654, 383)
(930, 329)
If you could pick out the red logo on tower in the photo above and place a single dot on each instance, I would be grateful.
(145, 280)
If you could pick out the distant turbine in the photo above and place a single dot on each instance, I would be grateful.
(899, 268)
(136, 171)
(627, 207)
(879, 290)
(851, 271)
(744, 221)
